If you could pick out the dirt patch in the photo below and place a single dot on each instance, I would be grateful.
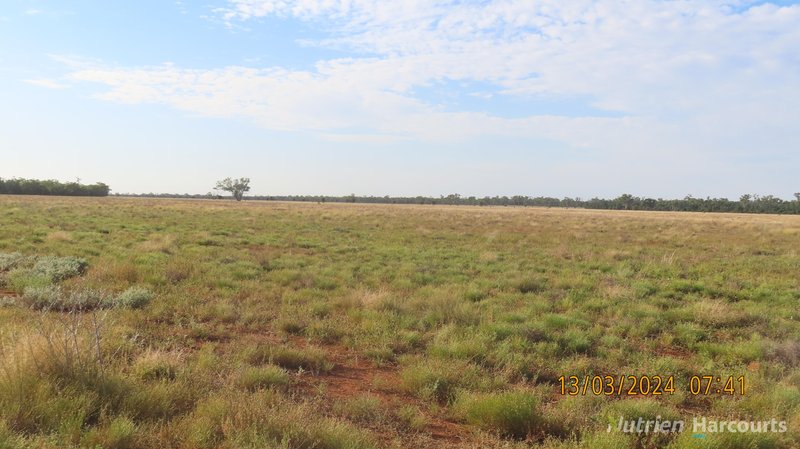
(353, 375)
(674, 352)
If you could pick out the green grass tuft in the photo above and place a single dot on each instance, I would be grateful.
(515, 414)
(255, 378)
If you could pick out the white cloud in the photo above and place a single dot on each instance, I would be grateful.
(683, 74)
(44, 82)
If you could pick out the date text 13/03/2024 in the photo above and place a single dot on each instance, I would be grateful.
(631, 385)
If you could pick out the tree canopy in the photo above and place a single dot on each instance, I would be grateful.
(20, 186)
(237, 186)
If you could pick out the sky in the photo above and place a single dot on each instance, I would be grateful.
(585, 98)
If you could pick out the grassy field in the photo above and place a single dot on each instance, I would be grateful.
(133, 323)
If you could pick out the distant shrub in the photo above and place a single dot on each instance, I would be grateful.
(513, 414)
(132, 298)
(57, 269)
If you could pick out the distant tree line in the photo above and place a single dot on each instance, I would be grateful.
(19, 186)
(746, 204)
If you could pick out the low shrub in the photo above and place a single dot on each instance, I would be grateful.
(132, 298)
(59, 268)
(9, 261)
(54, 298)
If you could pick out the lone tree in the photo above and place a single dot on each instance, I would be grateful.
(237, 187)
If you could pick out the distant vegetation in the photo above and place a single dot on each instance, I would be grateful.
(134, 324)
(746, 204)
(237, 187)
(19, 186)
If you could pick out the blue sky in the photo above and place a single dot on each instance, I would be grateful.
(493, 97)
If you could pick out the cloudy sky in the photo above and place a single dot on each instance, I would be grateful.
(491, 97)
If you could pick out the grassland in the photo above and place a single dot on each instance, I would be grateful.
(134, 323)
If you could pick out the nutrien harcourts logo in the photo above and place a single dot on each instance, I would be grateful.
(700, 426)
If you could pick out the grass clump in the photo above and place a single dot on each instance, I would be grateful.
(729, 440)
(269, 376)
(411, 418)
(157, 365)
(310, 359)
(440, 380)
(515, 414)
(364, 408)
(531, 285)
(55, 378)
(120, 433)
(265, 419)
(7, 439)
(306, 359)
